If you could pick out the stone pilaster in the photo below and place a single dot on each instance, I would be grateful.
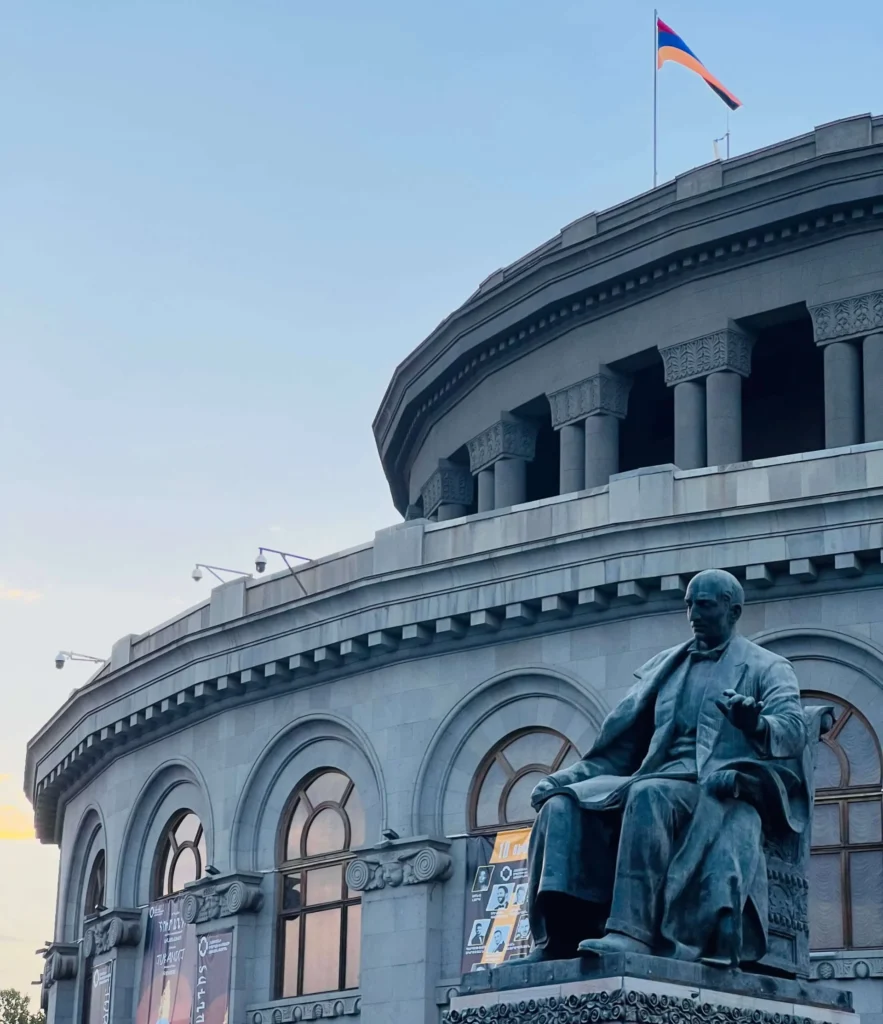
(706, 373)
(505, 447)
(872, 374)
(448, 492)
(61, 972)
(589, 412)
(112, 940)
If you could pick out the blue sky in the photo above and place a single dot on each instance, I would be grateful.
(223, 224)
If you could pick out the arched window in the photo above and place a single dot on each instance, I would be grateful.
(319, 917)
(94, 902)
(846, 865)
(181, 855)
(500, 795)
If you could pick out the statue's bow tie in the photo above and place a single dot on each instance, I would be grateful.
(713, 655)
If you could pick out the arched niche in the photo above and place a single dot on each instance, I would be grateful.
(303, 747)
(175, 786)
(498, 707)
(89, 842)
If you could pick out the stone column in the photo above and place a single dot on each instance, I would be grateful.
(589, 412)
(872, 368)
(486, 491)
(402, 925)
(706, 374)
(447, 494)
(840, 325)
(504, 448)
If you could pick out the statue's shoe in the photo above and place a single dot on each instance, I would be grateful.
(543, 956)
(613, 942)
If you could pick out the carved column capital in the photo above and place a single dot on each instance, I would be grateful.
(401, 862)
(508, 438)
(729, 349)
(450, 484)
(121, 927)
(61, 963)
(605, 392)
(221, 896)
(847, 319)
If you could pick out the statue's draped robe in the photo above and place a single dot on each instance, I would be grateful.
(632, 828)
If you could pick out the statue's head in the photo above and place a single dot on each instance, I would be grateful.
(714, 604)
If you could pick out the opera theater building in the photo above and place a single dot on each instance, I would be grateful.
(309, 795)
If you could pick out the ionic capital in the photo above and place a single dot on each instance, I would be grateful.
(508, 438)
(406, 862)
(222, 896)
(729, 349)
(603, 393)
(847, 319)
(118, 928)
(450, 484)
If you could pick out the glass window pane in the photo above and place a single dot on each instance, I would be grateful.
(326, 833)
(186, 830)
(827, 775)
(184, 870)
(166, 886)
(533, 748)
(353, 945)
(322, 951)
(356, 814)
(825, 902)
(329, 787)
(518, 801)
(291, 945)
(323, 884)
(291, 892)
(826, 825)
(488, 810)
(292, 843)
(866, 884)
(864, 821)
(570, 757)
(862, 751)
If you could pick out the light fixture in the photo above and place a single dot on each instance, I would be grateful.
(389, 833)
(64, 656)
(260, 562)
(99, 908)
(196, 575)
(210, 869)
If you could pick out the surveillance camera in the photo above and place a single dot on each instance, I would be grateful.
(60, 659)
(260, 563)
(196, 574)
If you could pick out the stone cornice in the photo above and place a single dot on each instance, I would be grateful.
(729, 349)
(508, 438)
(414, 861)
(221, 896)
(113, 929)
(847, 319)
(450, 484)
(604, 392)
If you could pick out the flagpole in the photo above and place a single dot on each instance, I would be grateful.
(655, 76)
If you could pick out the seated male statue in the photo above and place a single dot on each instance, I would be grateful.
(660, 828)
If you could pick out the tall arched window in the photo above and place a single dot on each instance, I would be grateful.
(500, 795)
(846, 865)
(94, 901)
(181, 856)
(319, 917)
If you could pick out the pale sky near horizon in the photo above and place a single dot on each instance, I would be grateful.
(224, 224)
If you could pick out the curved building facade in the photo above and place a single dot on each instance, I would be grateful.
(307, 796)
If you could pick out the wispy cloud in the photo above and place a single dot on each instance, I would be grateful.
(18, 594)
(15, 823)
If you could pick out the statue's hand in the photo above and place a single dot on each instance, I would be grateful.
(723, 784)
(541, 790)
(744, 712)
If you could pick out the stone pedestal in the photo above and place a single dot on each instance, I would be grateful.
(633, 989)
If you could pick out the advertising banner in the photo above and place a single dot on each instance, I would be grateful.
(214, 958)
(98, 994)
(169, 968)
(496, 915)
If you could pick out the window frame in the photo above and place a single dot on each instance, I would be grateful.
(495, 754)
(301, 866)
(89, 895)
(167, 839)
(842, 796)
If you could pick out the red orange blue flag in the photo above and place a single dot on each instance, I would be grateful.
(670, 46)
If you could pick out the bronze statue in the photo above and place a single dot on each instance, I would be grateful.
(653, 842)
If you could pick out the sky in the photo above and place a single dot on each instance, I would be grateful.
(223, 224)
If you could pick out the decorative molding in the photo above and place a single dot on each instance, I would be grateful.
(61, 963)
(845, 968)
(450, 484)
(411, 867)
(508, 438)
(729, 349)
(619, 1006)
(221, 896)
(349, 1005)
(845, 319)
(603, 393)
(118, 928)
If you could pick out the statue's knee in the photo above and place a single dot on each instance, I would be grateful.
(556, 806)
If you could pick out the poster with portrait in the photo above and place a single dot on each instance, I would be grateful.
(496, 926)
(214, 956)
(169, 968)
(96, 1002)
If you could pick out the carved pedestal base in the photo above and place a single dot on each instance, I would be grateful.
(632, 989)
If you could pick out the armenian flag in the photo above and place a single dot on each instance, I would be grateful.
(670, 46)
